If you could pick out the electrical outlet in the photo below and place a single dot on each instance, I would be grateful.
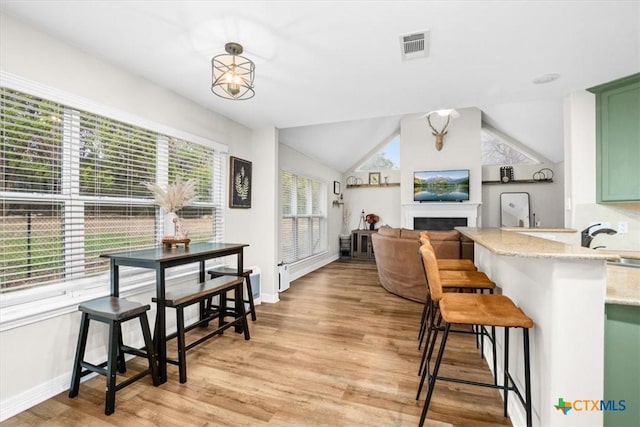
(623, 227)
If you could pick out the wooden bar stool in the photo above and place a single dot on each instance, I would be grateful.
(474, 309)
(113, 311)
(226, 271)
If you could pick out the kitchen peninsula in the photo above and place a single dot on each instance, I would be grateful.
(562, 287)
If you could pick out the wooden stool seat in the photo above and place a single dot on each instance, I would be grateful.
(113, 308)
(194, 293)
(246, 273)
(113, 311)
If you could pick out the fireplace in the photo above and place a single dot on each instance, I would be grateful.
(449, 214)
(438, 223)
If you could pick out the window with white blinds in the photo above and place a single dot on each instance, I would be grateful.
(303, 222)
(73, 186)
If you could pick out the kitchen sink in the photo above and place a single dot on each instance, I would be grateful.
(626, 262)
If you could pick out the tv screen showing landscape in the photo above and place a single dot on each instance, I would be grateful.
(441, 186)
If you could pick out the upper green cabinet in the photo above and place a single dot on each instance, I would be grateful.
(618, 140)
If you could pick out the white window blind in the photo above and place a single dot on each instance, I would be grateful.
(72, 187)
(303, 222)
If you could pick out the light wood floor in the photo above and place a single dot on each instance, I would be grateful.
(338, 350)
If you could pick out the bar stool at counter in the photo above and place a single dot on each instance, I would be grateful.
(113, 311)
(474, 309)
(460, 280)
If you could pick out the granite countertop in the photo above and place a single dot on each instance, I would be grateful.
(510, 243)
(623, 285)
(540, 229)
(622, 253)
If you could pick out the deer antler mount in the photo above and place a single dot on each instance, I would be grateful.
(439, 134)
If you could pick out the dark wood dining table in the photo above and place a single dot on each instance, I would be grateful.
(160, 258)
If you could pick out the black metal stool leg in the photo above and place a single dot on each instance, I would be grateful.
(434, 376)
(77, 364)
(527, 377)
(505, 385)
(428, 350)
(495, 356)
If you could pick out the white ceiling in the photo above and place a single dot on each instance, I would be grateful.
(329, 74)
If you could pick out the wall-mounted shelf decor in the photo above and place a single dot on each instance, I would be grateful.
(390, 184)
(520, 181)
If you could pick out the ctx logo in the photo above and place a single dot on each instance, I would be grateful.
(590, 405)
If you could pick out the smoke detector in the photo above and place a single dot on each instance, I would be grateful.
(414, 45)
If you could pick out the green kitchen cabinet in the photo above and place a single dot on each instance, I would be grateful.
(622, 365)
(618, 140)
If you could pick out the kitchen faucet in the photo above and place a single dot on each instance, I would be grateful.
(587, 238)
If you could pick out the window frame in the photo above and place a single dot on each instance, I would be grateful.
(35, 303)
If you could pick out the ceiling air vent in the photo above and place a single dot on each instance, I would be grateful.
(415, 45)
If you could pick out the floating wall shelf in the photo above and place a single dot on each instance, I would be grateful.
(391, 184)
(520, 181)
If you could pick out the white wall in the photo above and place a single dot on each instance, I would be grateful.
(546, 199)
(461, 150)
(580, 182)
(36, 359)
(296, 162)
(264, 220)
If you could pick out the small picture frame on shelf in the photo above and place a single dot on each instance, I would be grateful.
(374, 178)
(336, 187)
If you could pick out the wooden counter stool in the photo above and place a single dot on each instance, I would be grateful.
(112, 311)
(474, 309)
(226, 271)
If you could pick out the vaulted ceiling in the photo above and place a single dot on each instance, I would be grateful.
(330, 76)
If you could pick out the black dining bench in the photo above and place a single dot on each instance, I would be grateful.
(183, 296)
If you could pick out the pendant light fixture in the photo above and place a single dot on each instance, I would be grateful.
(232, 74)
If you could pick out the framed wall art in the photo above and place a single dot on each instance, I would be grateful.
(336, 187)
(240, 183)
(374, 178)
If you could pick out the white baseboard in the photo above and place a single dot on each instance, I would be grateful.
(303, 268)
(269, 298)
(29, 398)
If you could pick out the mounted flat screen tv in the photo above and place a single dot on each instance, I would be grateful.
(441, 186)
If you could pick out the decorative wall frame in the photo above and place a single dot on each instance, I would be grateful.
(374, 178)
(336, 187)
(240, 182)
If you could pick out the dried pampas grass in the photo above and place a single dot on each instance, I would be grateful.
(178, 195)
